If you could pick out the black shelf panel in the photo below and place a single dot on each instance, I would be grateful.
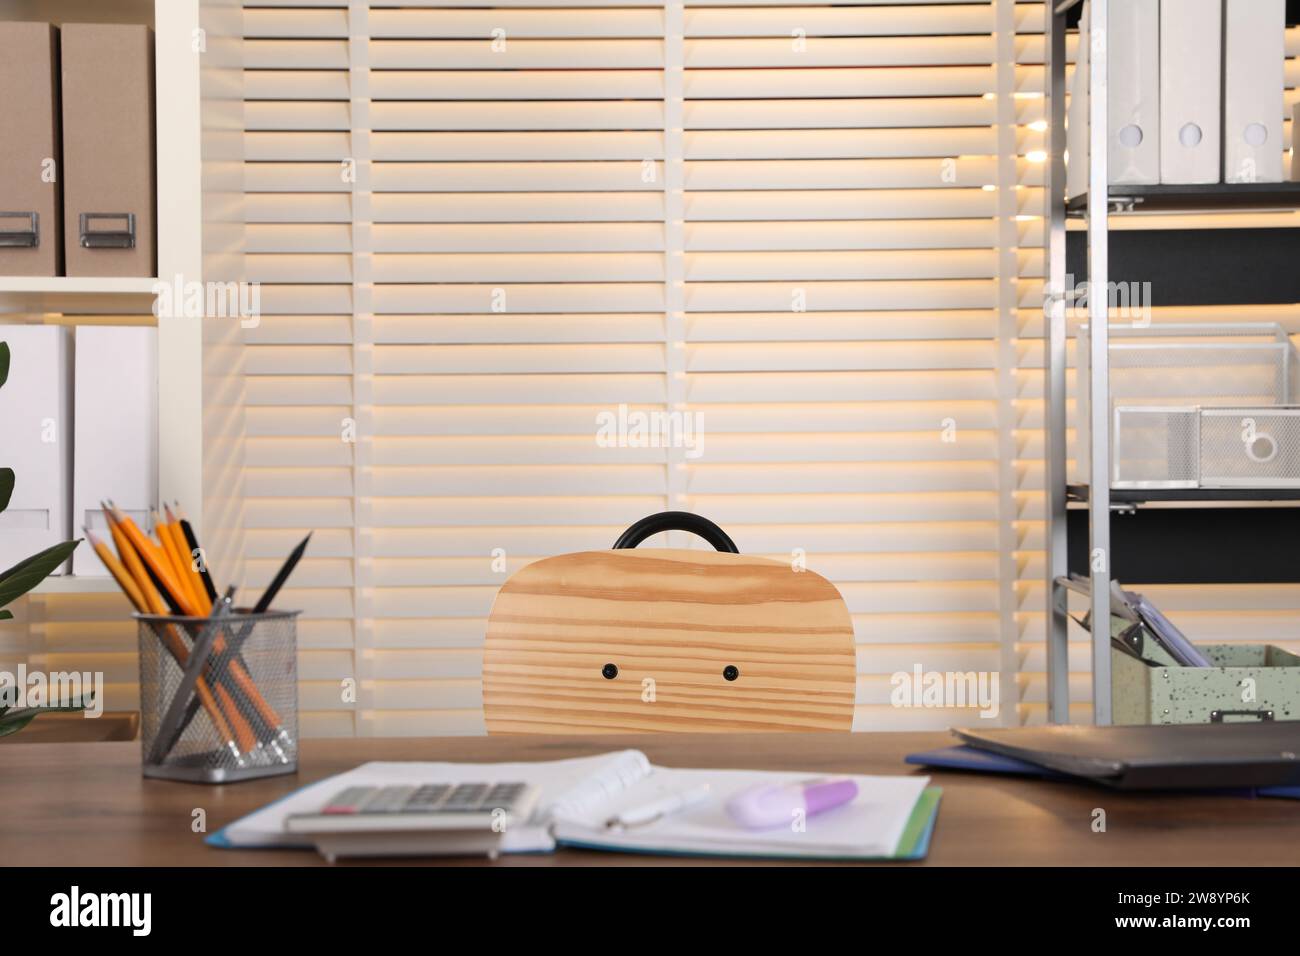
(1237, 545)
(1137, 496)
(1207, 197)
(1200, 266)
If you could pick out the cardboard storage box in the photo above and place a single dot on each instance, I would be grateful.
(108, 149)
(31, 226)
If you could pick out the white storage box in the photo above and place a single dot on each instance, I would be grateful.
(1133, 86)
(36, 440)
(115, 455)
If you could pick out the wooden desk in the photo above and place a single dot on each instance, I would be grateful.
(86, 804)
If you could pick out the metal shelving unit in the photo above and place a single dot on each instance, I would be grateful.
(1168, 509)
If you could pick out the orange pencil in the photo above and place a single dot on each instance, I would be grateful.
(153, 602)
(120, 574)
(168, 547)
(154, 558)
(192, 545)
(187, 571)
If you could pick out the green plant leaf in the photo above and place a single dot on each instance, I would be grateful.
(6, 487)
(12, 723)
(4, 363)
(25, 575)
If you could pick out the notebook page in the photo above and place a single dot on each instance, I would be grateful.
(870, 826)
(620, 773)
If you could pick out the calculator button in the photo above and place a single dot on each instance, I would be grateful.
(425, 798)
(348, 801)
(388, 800)
(503, 795)
(466, 797)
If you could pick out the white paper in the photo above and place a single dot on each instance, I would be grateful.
(868, 827)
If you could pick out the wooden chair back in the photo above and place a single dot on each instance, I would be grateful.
(667, 640)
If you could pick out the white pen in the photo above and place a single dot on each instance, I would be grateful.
(657, 809)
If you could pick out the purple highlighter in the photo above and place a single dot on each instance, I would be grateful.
(767, 806)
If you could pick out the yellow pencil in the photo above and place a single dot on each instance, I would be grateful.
(120, 574)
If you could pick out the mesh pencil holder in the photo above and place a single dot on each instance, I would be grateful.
(219, 696)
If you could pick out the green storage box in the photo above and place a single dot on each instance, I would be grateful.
(1250, 682)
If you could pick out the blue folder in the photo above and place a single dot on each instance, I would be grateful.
(963, 757)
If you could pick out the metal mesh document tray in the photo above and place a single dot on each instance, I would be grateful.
(1198, 406)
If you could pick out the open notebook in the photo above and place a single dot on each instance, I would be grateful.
(891, 818)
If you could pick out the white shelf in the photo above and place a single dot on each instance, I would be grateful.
(76, 285)
(76, 584)
(28, 298)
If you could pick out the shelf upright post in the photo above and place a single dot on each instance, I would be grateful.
(1099, 558)
(180, 192)
(1054, 391)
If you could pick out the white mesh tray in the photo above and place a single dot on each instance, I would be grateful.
(1198, 406)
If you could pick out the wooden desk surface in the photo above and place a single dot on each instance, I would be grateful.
(86, 804)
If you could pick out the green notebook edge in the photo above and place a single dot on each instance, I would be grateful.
(914, 844)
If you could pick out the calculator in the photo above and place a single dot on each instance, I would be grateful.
(416, 819)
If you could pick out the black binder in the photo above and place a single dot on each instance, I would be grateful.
(1158, 757)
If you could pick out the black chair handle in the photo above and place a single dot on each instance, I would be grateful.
(676, 521)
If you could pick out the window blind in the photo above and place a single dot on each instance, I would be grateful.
(478, 227)
(816, 226)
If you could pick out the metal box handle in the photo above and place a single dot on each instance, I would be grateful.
(28, 238)
(108, 238)
(1216, 716)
